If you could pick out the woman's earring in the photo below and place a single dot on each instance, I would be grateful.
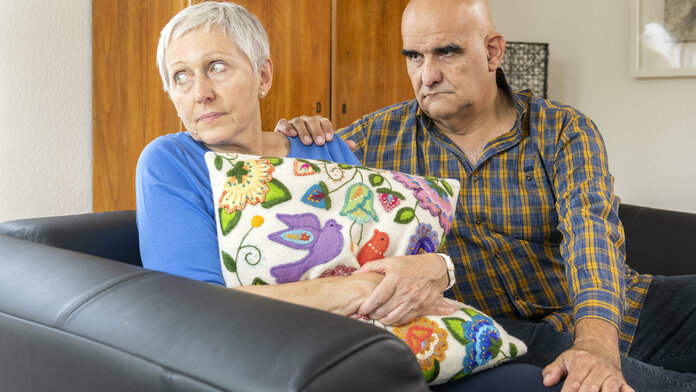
(262, 94)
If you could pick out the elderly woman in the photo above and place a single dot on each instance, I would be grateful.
(214, 62)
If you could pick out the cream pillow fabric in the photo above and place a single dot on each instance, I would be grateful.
(282, 220)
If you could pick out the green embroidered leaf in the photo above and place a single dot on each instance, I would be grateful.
(383, 190)
(455, 326)
(513, 350)
(228, 221)
(327, 198)
(274, 161)
(258, 282)
(218, 162)
(238, 171)
(405, 215)
(375, 180)
(229, 262)
(471, 312)
(345, 166)
(447, 187)
(277, 193)
(495, 347)
(398, 195)
(458, 376)
(431, 375)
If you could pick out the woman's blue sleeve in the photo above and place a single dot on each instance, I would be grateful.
(176, 223)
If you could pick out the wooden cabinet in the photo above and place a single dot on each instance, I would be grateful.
(336, 58)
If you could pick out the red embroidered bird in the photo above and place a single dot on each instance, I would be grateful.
(374, 248)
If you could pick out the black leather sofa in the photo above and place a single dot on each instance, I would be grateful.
(79, 313)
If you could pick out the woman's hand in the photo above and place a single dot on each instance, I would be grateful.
(412, 287)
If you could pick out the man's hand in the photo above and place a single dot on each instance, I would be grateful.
(310, 129)
(412, 287)
(592, 364)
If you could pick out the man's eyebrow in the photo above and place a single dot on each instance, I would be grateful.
(451, 48)
(408, 53)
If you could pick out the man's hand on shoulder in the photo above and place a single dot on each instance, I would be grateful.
(593, 363)
(310, 129)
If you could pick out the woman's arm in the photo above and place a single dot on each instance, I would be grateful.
(338, 294)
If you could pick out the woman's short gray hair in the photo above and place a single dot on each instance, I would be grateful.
(239, 24)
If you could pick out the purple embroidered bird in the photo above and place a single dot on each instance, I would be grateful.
(305, 232)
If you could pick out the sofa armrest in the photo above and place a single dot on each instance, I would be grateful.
(659, 242)
(112, 234)
(70, 321)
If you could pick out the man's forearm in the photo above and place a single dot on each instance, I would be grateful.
(598, 337)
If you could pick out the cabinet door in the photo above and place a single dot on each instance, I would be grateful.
(299, 32)
(369, 71)
(129, 106)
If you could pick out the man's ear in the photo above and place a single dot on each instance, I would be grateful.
(495, 45)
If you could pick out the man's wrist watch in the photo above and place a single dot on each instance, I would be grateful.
(450, 270)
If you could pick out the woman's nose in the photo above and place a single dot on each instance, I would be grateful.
(204, 90)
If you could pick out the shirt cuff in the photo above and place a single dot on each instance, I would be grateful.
(602, 304)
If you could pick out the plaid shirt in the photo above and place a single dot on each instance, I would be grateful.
(536, 233)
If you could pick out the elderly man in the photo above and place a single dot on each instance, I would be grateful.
(537, 235)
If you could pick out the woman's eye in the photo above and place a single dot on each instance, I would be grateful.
(181, 77)
(217, 67)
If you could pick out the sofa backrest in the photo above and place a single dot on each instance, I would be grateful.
(111, 235)
(659, 242)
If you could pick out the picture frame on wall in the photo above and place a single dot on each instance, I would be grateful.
(663, 38)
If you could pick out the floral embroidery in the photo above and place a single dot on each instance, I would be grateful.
(424, 241)
(388, 201)
(359, 204)
(303, 168)
(484, 341)
(430, 197)
(316, 196)
(340, 270)
(426, 339)
(246, 183)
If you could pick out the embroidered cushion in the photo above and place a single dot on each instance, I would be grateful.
(282, 220)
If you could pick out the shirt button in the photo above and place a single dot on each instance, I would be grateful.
(529, 178)
(516, 297)
(474, 178)
(497, 255)
(478, 221)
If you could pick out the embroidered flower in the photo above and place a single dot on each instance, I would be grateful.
(430, 197)
(246, 183)
(388, 201)
(424, 241)
(426, 339)
(315, 196)
(340, 270)
(303, 168)
(484, 342)
(359, 204)
(257, 221)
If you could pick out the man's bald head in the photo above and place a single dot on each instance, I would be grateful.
(474, 16)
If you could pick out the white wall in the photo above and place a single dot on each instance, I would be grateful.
(45, 108)
(649, 125)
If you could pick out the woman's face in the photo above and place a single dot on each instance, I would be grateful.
(214, 90)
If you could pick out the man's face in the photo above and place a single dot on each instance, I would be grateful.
(446, 58)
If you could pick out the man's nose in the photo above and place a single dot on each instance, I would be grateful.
(431, 74)
(204, 90)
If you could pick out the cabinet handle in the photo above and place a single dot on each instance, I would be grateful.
(318, 107)
(343, 108)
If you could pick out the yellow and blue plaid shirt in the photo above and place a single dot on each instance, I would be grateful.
(536, 233)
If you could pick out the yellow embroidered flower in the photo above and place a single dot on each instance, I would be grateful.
(246, 183)
(426, 339)
(257, 221)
